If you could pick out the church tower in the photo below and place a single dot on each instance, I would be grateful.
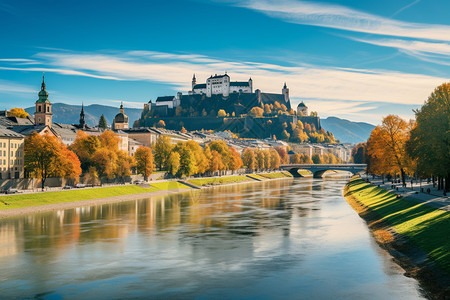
(194, 82)
(82, 121)
(43, 113)
(285, 92)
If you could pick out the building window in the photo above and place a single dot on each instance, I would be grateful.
(48, 108)
(39, 108)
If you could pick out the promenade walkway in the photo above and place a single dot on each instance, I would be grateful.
(434, 199)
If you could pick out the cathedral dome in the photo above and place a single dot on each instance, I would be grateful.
(121, 118)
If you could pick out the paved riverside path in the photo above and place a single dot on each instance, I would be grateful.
(434, 199)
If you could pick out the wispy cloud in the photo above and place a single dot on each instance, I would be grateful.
(8, 87)
(405, 7)
(436, 52)
(307, 82)
(344, 18)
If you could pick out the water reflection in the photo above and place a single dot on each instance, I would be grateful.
(247, 240)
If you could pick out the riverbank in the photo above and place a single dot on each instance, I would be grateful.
(14, 205)
(415, 234)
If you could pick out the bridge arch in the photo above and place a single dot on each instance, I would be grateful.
(319, 173)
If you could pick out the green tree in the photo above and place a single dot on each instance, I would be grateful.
(144, 161)
(430, 139)
(317, 159)
(102, 122)
(188, 164)
(162, 150)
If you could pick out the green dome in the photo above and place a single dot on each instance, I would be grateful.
(43, 94)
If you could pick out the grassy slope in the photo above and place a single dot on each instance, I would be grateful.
(35, 199)
(425, 227)
(218, 180)
(276, 175)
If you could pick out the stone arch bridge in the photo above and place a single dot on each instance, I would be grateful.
(319, 169)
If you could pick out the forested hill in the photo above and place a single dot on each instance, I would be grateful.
(347, 131)
(70, 114)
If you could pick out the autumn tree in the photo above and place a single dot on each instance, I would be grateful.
(84, 147)
(17, 112)
(284, 157)
(216, 163)
(201, 160)
(173, 163)
(162, 149)
(274, 159)
(295, 159)
(124, 163)
(104, 160)
(46, 156)
(188, 164)
(236, 161)
(109, 140)
(430, 138)
(161, 124)
(221, 113)
(144, 161)
(256, 112)
(249, 159)
(102, 123)
(224, 151)
(387, 147)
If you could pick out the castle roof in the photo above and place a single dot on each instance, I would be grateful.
(165, 98)
(200, 86)
(239, 83)
(301, 104)
(219, 76)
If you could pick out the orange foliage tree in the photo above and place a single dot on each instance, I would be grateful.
(144, 161)
(386, 147)
(46, 156)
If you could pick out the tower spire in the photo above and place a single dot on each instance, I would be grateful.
(43, 82)
(82, 121)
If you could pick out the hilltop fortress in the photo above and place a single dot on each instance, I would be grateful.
(222, 104)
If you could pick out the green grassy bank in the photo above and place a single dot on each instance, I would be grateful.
(426, 228)
(237, 178)
(219, 180)
(35, 199)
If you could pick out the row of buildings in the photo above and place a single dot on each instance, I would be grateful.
(14, 130)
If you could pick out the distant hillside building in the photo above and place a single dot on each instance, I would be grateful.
(120, 120)
(221, 85)
(302, 109)
(219, 93)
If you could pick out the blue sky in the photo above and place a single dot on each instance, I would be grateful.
(358, 60)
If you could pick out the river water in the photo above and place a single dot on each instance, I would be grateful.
(284, 239)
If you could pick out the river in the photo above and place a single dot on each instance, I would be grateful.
(284, 239)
